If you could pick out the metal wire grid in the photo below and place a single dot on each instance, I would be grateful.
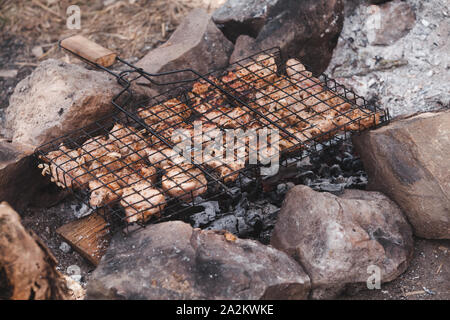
(130, 171)
(107, 166)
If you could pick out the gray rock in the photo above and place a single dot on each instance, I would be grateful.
(389, 22)
(237, 17)
(406, 76)
(65, 247)
(173, 261)
(408, 160)
(196, 44)
(307, 29)
(336, 239)
(56, 99)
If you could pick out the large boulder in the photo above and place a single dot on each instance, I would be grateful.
(173, 261)
(56, 99)
(339, 240)
(408, 160)
(395, 55)
(196, 44)
(307, 29)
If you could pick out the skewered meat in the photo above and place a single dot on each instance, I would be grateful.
(142, 201)
(184, 182)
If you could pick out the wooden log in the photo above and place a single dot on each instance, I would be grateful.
(89, 236)
(89, 50)
(27, 267)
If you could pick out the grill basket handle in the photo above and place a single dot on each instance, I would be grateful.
(89, 50)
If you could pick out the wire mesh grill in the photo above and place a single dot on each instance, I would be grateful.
(157, 158)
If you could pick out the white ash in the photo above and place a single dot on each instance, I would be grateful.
(74, 272)
(408, 76)
(65, 247)
(81, 210)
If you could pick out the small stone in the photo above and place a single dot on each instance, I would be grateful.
(74, 272)
(37, 51)
(300, 29)
(196, 44)
(65, 247)
(8, 73)
(425, 23)
(281, 188)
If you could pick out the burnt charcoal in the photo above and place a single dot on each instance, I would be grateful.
(332, 188)
(211, 208)
(335, 170)
(306, 175)
(324, 170)
(233, 224)
(254, 217)
(347, 164)
(281, 189)
(357, 165)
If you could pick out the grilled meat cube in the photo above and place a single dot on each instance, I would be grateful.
(96, 147)
(105, 189)
(184, 182)
(164, 158)
(216, 158)
(167, 114)
(260, 72)
(228, 117)
(141, 201)
(66, 168)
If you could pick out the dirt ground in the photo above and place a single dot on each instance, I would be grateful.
(29, 31)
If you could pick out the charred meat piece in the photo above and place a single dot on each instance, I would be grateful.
(208, 92)
(141, 201)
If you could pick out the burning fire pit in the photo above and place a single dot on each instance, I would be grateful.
(156, 158)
